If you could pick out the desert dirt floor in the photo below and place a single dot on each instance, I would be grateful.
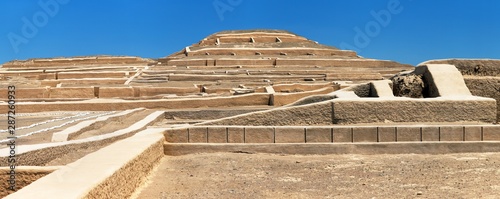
(237, 175)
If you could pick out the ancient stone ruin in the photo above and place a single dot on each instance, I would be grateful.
(252, 91)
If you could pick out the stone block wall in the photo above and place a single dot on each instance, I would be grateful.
(333, 134)
(25, 175)
(280, 99)
(485, 87)
(374, 110)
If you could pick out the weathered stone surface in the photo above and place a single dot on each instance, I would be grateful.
(485, 87)
(408, 85)
(452, 133)
(381, 88)
(473, 133)
(318, 134)
(290, 135)
(314, 114)
(217, 135)
(198, 135)
(364, 134)
(430, 133)
(235, 134)
(376, 110)
(342, 134)
(408, 134)
(442, 80)
(491, 133)
(259, 134)
(177, 135)
(475, 67)
(387, 134)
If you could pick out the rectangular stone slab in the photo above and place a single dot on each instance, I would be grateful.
(290, 135)
(364, 134)
(443, 80)
(318, 134)
(259, 135)
(198, 135)
(473, 133)
(235, 134)
(342, 134)
(430, 133)
(451, 133)
(408, 134)
(217, 135)
(387, 134)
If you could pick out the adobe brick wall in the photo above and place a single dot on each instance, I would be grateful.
(133, 159)
(80, 75)
(53, 83)
(191, 77)
(485, 87)
(241, 100)
(341, 63)
(312, 114)
(42, 63)
(333, 134)
(25, 175)
(227, 62)
(303, 87)
(280, 99)
(354, 76)
(374, 110)
(111, 92)
(475, 67)
(72, 92)
(184, 62)
(29, 93)
(66, 92)
(272, 52)
(152, 91)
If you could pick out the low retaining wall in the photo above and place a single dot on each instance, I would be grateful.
(208, 114)
(41, 154)
(375, 110)
(153, 91)
(89, 81)
(333, 134)
(485, 87)
(67, 92)
(340, 63)
(132, 160)
(75, 130)
(280, 99)
(341, 148)
(191, 77)
(118, 92)
(80, 75)
(99, 105)
(302, 87)
(310, 114)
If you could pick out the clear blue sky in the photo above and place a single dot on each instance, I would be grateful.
(418, 30)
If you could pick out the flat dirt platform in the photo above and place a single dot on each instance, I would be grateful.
(237, 175)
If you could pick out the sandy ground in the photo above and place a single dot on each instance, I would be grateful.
(236, 175)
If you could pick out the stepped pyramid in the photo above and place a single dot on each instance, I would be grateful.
(282, 50)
